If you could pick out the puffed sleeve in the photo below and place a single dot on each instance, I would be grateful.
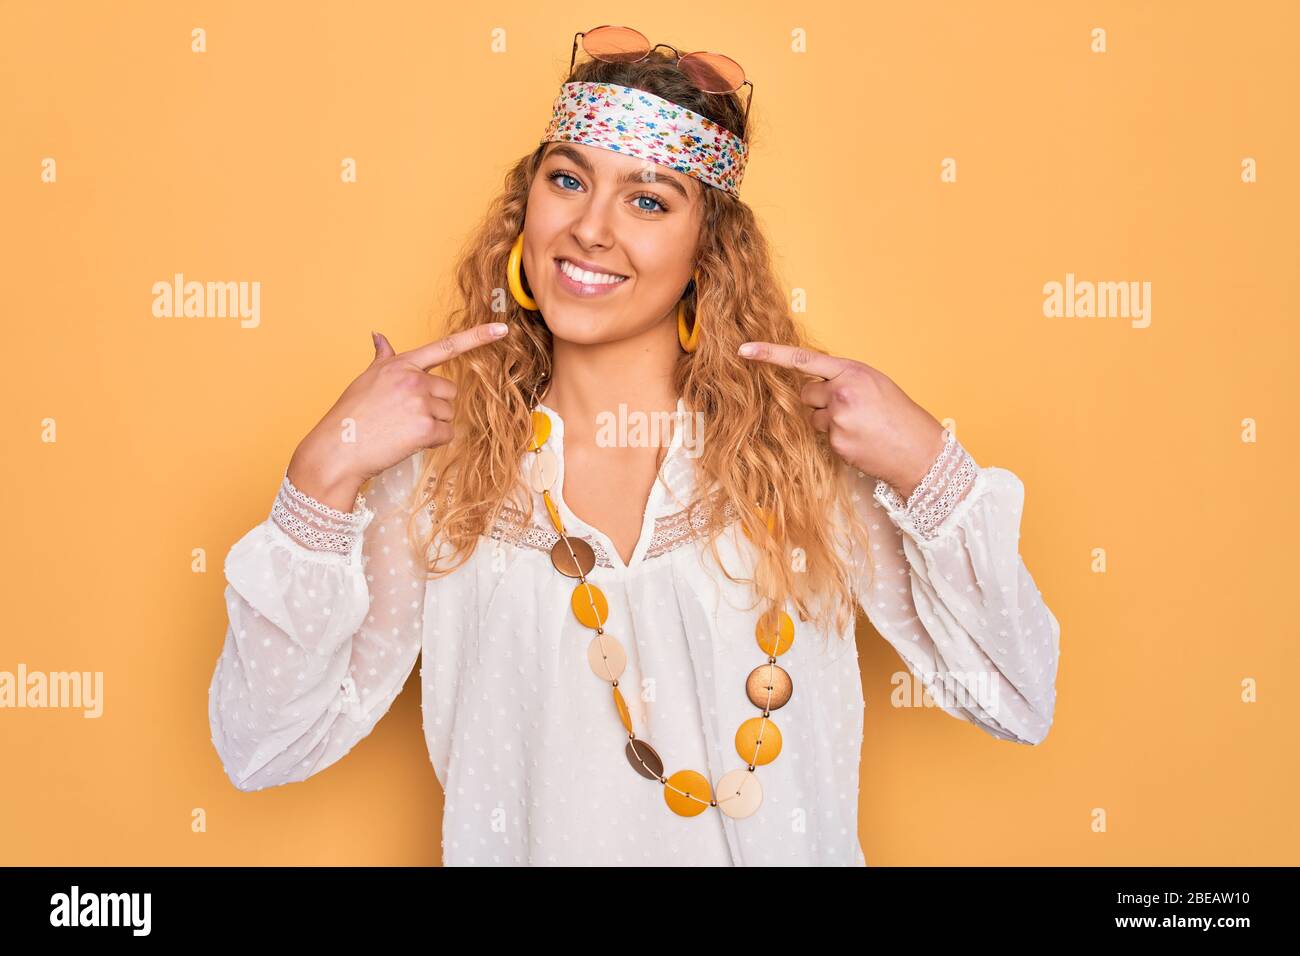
(325, 613)
(952, 595)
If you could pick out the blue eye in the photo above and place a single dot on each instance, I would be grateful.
(561, 175)
(653, 199)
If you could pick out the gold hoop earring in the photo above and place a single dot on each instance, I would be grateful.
(513, 268)
(689, 340)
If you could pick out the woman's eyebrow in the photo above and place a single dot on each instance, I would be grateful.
(635, 176)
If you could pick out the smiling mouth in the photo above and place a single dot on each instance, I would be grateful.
(586, 284)
(586, 277)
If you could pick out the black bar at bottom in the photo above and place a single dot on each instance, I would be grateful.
(300, 905)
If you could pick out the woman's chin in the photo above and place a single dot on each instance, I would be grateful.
(572, 333)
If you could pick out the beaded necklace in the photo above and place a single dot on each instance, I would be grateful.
(758, 741)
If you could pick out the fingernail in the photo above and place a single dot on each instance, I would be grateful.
(499, 328)
(747, 349)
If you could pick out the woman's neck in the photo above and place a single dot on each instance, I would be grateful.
(589, 383)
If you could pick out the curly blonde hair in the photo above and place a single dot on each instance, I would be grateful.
(771, 465)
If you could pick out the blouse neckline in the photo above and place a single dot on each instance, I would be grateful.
(670, 491)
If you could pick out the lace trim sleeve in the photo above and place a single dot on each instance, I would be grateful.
(317, 526)
(935, 497)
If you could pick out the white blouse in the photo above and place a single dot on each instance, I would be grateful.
(328, 612)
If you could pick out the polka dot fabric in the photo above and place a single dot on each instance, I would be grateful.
(521, 734)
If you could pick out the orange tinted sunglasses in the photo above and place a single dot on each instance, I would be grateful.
(710, 72)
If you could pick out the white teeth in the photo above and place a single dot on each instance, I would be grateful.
(587, 278)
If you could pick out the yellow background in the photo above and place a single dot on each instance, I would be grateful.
(173, 433)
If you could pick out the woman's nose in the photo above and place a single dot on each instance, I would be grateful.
(593, 224)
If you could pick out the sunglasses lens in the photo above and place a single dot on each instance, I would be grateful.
(712, 72)
(615, 44)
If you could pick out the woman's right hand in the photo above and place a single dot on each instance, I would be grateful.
(395, 408)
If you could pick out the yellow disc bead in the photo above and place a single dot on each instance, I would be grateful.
(748, 745)
(553, 511)
(589, 605)
(623, 713)
(695, 784)
(775, 641)
(541, 429)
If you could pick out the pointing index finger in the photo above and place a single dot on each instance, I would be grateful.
(799, 358)
(444, 349)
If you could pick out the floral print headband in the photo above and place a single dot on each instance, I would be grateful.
(639, 123)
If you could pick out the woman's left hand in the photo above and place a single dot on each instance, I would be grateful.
(871, 422)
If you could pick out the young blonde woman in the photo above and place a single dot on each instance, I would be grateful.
(634, 652)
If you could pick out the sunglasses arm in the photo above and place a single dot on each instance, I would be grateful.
(573, 56)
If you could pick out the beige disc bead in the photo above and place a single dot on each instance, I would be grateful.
(606, 657)
(543, 470)
(739, 793)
